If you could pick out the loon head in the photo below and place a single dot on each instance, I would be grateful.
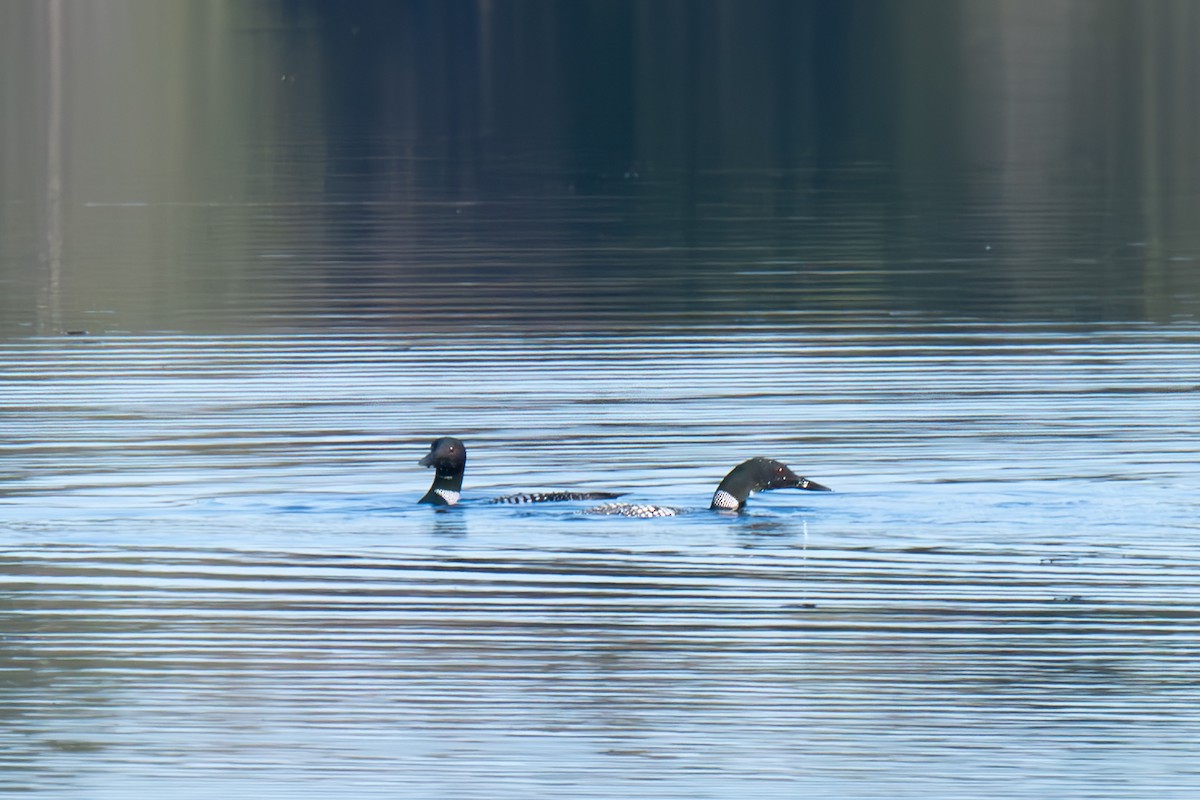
(448, 457)
(757, 475)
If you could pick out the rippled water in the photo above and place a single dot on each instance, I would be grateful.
(215, 576)
(940, 257)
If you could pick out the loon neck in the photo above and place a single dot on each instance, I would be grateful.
(752, 476)
(448, 457)
(731, 495)
(445, 489)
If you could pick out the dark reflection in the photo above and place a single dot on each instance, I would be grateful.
(598, 165)
(450, 522)
(773, 84)
(1011, 148)
(754, 530)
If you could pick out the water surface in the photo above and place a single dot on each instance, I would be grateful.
(215, 570)
(964, 297)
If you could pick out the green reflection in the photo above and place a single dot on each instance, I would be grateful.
(233, 166)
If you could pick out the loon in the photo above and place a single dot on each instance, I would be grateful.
(755, 475)
(448, 457)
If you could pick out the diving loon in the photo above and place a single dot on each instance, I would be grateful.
(755, 475)
(448, 457)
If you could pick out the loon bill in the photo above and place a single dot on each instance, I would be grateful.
(755, 475)
(448, 457)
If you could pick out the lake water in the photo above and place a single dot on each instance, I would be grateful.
(226, 342)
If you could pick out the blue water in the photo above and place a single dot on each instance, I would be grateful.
(217, 579)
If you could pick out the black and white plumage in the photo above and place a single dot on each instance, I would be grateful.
(448, 457)
(641, 510)
(550, 497)
(755, 475)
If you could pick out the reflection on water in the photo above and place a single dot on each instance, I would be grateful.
(292, 165)
(938, 256)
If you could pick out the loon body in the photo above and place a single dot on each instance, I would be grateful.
(448, 457)
(755, 475)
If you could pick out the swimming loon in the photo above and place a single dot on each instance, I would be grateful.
(755, 475)
(448, 457)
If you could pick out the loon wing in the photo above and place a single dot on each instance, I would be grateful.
(552, 497)
(636, 510)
